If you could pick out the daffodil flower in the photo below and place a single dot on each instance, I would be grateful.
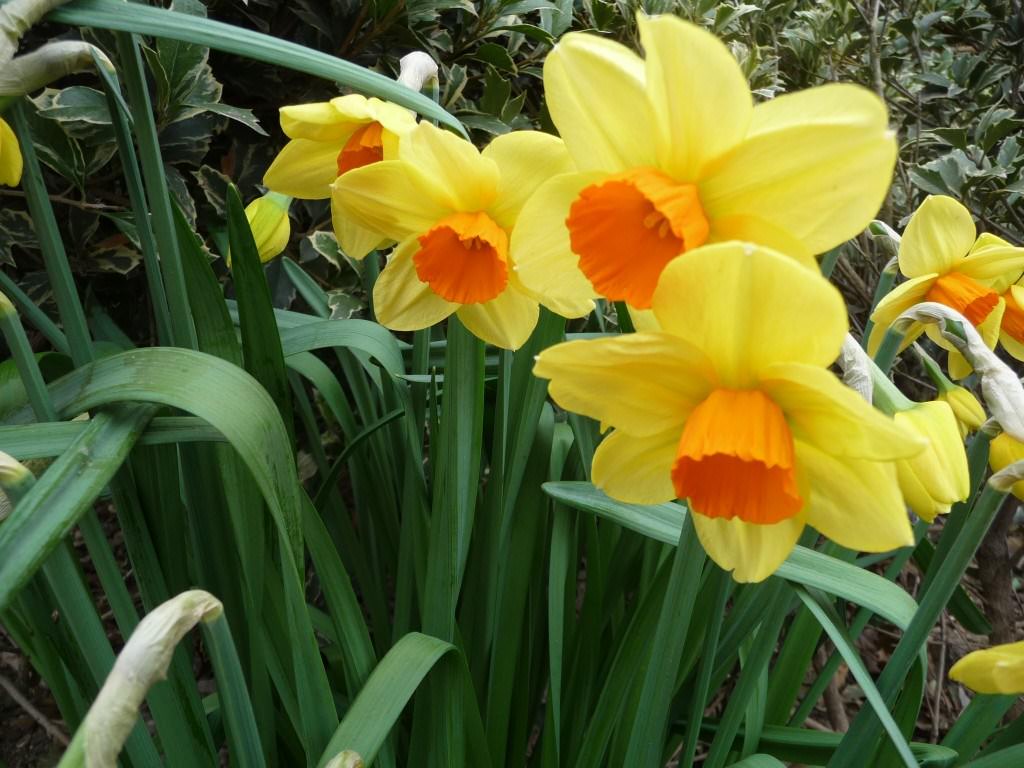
(732, 407)
(1004, 451)
(10, 156)
(968, 411)
(672, 153)
(271, 228)
(997, 670)
(1011, 330)
(329, 139)
(452, 210)
(946, 263)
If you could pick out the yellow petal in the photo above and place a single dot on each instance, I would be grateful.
(817, 163)
(541, 252)
(939, 234)
(895, 303)
(747, 307)
(643, 383)
(993, 266)
(594, 89)
(829, 416)
(855, 503)
(752, 552)
(401, 300)
(10, 156)
(1004, 451)
(391, 197)
(1012, 346)
(752, 229)
(525, 159)
(636, 470)
(699, 95)
(395, 119)
(304, 169)
(995, 670)
(319, 121)
(936, 478)
(464, 180)
(506, 321)
(355, 241)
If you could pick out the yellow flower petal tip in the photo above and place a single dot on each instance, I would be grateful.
(672, 153)
(730, 406)
(970, 414)
(271, 227)
(995, 670)
(453, 211)
(936, 478)
(10, 156)
(1004, 451)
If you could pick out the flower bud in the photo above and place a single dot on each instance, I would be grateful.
(1004, 451)
(10, 156)
(271, 228)
(933, 480)
(968, 411)
(999, 669)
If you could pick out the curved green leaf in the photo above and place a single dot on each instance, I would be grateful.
(356, 335)
(145, 20)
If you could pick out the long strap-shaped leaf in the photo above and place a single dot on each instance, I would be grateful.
(65, 491)
(387, 692)
(146, 20)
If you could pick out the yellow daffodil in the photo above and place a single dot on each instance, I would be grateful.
(945, 263)
(968, 411)
(1011, 330)
(268, 218)
(10, 156)
(732, 406)
(452, 209)
(999, 669)
(937, 477)
(672, 153)
(1004, 451)
(329, 139)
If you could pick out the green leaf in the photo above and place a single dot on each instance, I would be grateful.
(160, 23)
(759, 761)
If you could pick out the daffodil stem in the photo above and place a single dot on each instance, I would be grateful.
(25, 360)
(34, 314)
(865, 728)
(624, 318)
(885, 283)
(886, 396)
(647, 735)
(887, 352)
(977, 461)
(829, 260)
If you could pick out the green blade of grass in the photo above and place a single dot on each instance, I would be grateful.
(146, 20)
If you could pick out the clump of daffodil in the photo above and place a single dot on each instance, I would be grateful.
(10, 156)
(672, 153)
(1004, 451)
(731, 406)
(934, 479)
(330, 139)
(946, 263)
(998, 670)
(452, 210)
(268, 219)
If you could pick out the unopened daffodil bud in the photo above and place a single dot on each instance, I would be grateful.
(271, 228)
(968, 411)
(1004, 451)
(998, 670)
(935, 479)
(10, 156)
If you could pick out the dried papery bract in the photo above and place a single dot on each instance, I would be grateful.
(1000, 387)
(856, 367)
(142, 662)
(48, 63)
(346, 759)
(416, 69)
(1006, 478)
